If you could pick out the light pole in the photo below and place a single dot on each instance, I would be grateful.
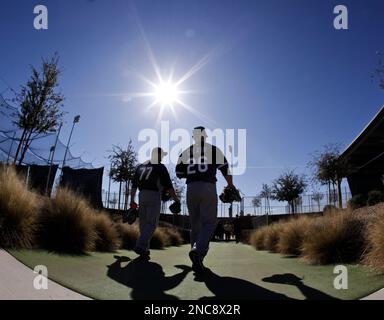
(52, 154)
(10, 149)
(230, 149)
(76, 119)
(109, 186)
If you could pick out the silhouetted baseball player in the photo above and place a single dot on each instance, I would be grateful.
(199, 164)
(151, 178)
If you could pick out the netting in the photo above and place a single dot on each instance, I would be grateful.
(39, 151)
(87, 182)
(37, 177)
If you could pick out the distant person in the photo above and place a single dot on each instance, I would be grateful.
(151, 178)
(237, 228)
(230, 210)
(199, 164)
(219, 231)
(227, 231)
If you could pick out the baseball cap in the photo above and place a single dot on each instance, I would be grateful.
(159, 152)
(200, 128)
(199, 131)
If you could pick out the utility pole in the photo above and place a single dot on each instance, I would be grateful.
(109, 185)
(76, 119)
(53, 149)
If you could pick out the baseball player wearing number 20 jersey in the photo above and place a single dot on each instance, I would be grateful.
(150, 178)
(199, 164)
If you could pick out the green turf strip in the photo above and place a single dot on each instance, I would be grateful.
(237, 272)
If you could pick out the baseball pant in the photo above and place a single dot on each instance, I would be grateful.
(149, 213)
(202, 208)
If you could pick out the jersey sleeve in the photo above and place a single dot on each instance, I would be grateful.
(182, 165)
(222, 162)
(135, 180)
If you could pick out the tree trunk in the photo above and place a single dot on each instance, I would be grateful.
(292, 203)
(269, 206)
(129, 191)
(26, 147)
(127, 183)
(334, 193)
(19, 146)
(118, 204)
(329, 192)
(340, 198)
(125, 196)
(265, 205)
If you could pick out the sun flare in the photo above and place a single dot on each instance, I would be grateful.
(166, 94)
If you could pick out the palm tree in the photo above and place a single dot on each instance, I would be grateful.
(317, 197)
(123, 165)
(256, 203)
(267, 194)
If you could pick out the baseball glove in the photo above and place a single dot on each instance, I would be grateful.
(130, 215)
(165, 196)
(175, 207)
(229, 195)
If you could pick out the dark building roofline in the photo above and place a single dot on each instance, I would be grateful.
(372, 125)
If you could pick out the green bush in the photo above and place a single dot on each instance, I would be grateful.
(18, 211)
(160, 239)
(374, 257)
(272, 236)
(329, 208)
(67, 224)
(375, 197)
(107, 239)
(293, 234)
(175, 237)
(357, 201)
(257, 238)
(335, 238)
(128, 235)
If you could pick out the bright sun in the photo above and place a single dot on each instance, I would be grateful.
(166, 94)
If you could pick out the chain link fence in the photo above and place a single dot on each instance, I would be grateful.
(307, 203)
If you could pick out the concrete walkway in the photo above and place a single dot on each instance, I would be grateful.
(236, 271)
(379, 295)
(16, 283)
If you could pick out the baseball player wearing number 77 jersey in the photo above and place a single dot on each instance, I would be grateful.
(199, 164)
(151, 178)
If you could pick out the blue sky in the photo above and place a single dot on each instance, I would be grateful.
(276, 68)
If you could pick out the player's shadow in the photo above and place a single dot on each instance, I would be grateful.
(291, 279)
(147, 279)
(229, 288)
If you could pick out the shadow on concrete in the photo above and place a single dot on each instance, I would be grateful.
(229, 288)
(291, 279)
(147, 279)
